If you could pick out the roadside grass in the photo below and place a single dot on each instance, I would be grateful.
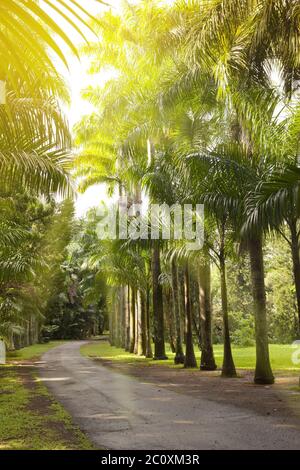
(244, 357)
(31, 352)
(30, 417)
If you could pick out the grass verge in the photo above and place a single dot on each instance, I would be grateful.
(32, 352)
(30, 418)
(281, 356)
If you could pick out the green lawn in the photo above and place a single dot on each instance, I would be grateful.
(30, 418)
(281, 356)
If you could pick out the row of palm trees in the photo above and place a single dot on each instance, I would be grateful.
(202, 108)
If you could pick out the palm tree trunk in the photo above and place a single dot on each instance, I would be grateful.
(127, 318)
(144, 326)
(263, 371)
(148, 329)
(296, 264)
(228, 367)
(122, 318)
(110, 320)
(195, 311)
(207, 353)
(140, 325)
(169, 319)
(179, 355)
(181, 301)
(117, 318)
(158, 313)
(190, 358)
(136, 322)
(132, 321)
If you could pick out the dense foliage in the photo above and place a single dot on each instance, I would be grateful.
(76, 308)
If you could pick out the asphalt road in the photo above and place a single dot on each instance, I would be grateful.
(119, 412)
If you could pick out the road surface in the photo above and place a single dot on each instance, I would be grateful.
(119, 412)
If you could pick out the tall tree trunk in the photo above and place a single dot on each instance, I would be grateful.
(181, 300)
(112, 317)
(117, 319)
(263, 371)
(110, 321)
(179, 355)
(296, 264)
(158, 313)
(121, 329)
(127, 319)
(195, 308)
(190, 358)
(139, 342)
(207, 353)
(136, 322)
(140, 325)
(30, 330)
(228, 367)
(148, 329)
(144, 326)
(169, 319)
(132, 321)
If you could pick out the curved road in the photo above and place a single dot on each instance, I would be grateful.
(119, 412)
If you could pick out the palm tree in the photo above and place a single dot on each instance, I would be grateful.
(239, 178)
(228, 367)
(207, 361)
(190, 358)
(158, 314)
(275, 207)
(179, 355)
(219, 242)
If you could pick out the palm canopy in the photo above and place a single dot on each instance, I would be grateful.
(26, 34)
(229, 37)
(34, 145)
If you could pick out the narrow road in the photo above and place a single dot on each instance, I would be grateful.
(119, 412)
